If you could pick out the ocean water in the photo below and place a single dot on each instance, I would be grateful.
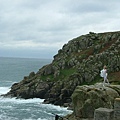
(13, 70)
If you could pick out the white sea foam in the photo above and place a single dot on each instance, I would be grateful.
(33, 107)
(37, 119)
(53, 107)
(5, 117)
(38, 101)
(4, 90)
(20, 101)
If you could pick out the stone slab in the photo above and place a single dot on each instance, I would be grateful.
(104, 114)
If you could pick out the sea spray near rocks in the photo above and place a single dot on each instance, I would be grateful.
(11, 71)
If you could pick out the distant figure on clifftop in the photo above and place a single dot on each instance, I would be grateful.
(104, 75)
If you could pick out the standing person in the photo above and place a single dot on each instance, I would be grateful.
(104, 75)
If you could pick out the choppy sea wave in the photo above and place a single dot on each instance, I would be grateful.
(30, 109)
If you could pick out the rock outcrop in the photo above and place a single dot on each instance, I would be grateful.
(78, 62)
(88, 98)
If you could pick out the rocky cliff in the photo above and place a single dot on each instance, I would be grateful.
(78, 62)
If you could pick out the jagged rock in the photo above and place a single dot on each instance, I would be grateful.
(32, 74)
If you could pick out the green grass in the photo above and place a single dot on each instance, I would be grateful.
(63, 74)
(47, 77)
(67, 72)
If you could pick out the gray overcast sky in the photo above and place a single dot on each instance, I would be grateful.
(39, 28)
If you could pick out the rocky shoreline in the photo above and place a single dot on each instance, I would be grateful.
(78, 63)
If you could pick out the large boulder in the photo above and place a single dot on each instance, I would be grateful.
(88, 98)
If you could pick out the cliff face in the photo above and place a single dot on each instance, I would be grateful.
(78, 62)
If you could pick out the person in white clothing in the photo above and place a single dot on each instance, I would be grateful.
(104, 74)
